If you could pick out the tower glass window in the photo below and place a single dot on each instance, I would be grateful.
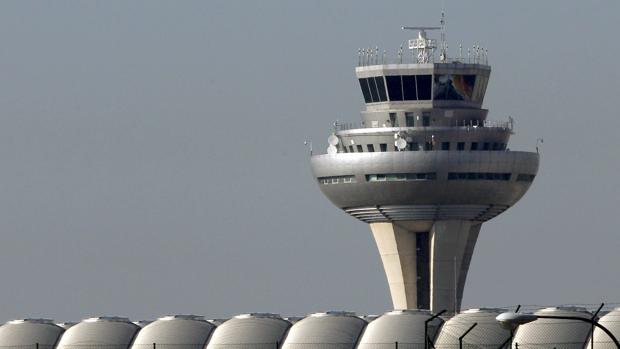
(423, 270)
(445, 146)
(381, 88)
(365, 90)
(414, 146)
(474, 146)
(360, 149)
(394, 87)
(409, 120)
(460, 146)
(426, 119)
(522, 177)
(371, 148)
(373, 90)
(383, 147)
(424, 84)
(454, 87)
(409, 88)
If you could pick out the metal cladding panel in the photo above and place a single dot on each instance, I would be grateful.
(561, 334)
(174, 333)
(405, 327)
(242, 331)
(611, 321)
(325, 331)
(27, 333)
(440, 191)
(487, 334)
(99, 334)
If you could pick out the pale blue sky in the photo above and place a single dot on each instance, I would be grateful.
(153, 161)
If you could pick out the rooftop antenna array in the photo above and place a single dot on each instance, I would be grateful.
(425, 47)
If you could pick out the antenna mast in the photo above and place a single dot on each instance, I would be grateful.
(444, 44)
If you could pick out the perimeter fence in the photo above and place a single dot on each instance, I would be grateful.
(278, 345)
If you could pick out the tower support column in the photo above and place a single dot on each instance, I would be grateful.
(426, 263)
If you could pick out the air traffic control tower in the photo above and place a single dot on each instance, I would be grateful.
(424, 168)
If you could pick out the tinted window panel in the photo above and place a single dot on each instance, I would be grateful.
(365, 90)
(373, 89)
(409, 121)
(381, 88)
(409, 87)
(424, 83)
(395, 89)
(454, 87)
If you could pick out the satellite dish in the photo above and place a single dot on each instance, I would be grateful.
(331, 150)
(400, 144)
(333, 140)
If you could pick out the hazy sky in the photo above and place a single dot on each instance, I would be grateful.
(153, 160)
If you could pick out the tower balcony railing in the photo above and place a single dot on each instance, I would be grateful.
(467, 124)
(371, 57)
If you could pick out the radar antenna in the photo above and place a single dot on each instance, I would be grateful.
(425, 47)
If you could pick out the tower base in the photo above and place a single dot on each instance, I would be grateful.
(426, 262)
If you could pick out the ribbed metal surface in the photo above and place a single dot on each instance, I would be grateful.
(479, 213)
(29, 332)
(611, 321)
(109, 332)
(487, 334)
(403, 326)
(549, 333)
(179, 332)
(325, 330)
(262, 330)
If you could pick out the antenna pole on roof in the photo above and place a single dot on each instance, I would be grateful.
(444, 45)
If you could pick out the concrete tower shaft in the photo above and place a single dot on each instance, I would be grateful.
(424, 168)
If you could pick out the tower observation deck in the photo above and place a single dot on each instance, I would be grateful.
(424, 168)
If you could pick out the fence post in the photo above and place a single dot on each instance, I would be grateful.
(154, 346)
(516, 345)
(37, 345)
(465, 334)
(277, 344)
(395, 345)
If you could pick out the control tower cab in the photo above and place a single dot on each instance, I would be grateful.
(425, 167)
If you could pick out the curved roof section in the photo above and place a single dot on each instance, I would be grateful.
(558, 333)
(403, 326)
(182, 331)
(142, 323)
(113, 332)
(260, 329)
(611, 321)
(335, 329)
(29, 332)
(488, 332)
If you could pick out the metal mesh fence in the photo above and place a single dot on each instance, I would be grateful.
(277, 345)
